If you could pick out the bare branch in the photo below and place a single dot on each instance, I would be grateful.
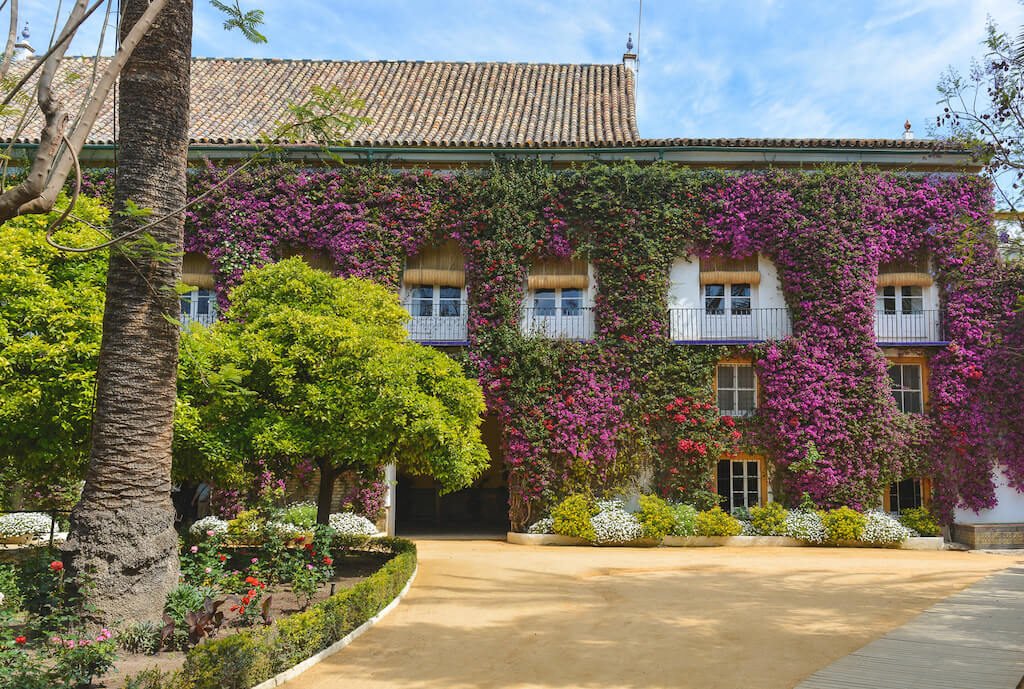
(12, 37)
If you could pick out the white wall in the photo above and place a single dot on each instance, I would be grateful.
(1010, 509)
(684, 284)
(769, 292)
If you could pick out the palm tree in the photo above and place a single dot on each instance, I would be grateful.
(122, 534)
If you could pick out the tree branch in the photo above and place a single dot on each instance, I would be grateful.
(12, 37)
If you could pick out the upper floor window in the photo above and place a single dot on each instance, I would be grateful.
(907, 387)
(562, 301)
(904, 299)
(727, 299)
(438, 266)
(435, 300)
(199, 306)
(737, 390)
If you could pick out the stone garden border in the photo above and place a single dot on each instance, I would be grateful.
(915, 543)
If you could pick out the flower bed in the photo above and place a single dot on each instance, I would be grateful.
(250, 657)
(912, 543)
(23, 527)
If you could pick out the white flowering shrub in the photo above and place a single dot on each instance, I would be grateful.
(349, 524)
(748, 528)
(806, 525)
(882, 529)
(202, 527)
(545, 525)
(24, 524)
(286, 530)
(615, 525)
(610, 504)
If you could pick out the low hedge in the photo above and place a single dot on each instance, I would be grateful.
(245, 659)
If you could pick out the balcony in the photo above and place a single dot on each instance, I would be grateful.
(910, 328)
(558, 323)
(206, 319)
(701, 326)
(444, 325)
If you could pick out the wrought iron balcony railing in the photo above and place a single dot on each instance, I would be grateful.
(919, 327)
(703, 326)
(441, 323)
(558, 322)
(206, 319)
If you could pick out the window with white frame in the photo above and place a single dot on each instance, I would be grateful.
(907, 387)
(560, 301)
(444, 301)
(727, 299)
(905, 299)
(739, 483)
(737, 390)
(199, 306)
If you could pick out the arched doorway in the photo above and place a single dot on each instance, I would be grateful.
(481, 508)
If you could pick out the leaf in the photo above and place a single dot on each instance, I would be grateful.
(266, 608)
(246, 22)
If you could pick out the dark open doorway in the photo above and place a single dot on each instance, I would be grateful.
(480, 509)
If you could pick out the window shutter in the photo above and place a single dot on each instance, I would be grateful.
(197, 271)
(311, 257)
(911, 271)
(550, 274)
(718, 270)
(442, 265)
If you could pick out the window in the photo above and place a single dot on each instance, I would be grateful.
(722, 299)
(739, 483)
(737, 390)
(565, 301)
(435, 300)
(907, 389)
(200, 306)
(905, 495)
(906, 300)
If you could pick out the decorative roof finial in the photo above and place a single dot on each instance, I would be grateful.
(24, 33)
(629, 43)
(22, 49)
(908, 133)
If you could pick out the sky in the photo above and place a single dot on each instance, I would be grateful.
(707, 68)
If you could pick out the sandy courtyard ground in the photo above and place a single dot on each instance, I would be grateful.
(489, 614)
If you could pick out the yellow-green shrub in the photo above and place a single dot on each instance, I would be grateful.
(843, 524)
(769, 520)
(572, 517)
(921, 520)
(685, 518)
(715, 522)
(656, 517)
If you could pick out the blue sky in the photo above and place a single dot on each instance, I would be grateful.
(707, 68)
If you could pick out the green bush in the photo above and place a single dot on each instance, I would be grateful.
(769, 520)
(656, 517)
(140, 637)
(301, 515)
(572, 517)
(684, 519)
(715, 522)
(843, 524)
(249, 657)
(9, 588)
(921, 520)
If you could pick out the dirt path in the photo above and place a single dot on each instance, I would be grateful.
(488, 614)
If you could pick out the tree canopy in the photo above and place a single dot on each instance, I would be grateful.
(51, 315)
(306, 366)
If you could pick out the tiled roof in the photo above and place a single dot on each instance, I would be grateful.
(433, 104)
(448, 105)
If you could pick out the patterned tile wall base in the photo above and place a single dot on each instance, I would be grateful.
(989, 536)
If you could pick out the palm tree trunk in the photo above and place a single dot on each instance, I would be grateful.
(122, 531)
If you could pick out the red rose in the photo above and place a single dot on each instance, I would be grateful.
(20, 640)
(245, 601)
(308, 546)
(327, 560)
(56, 565)
(223, 557)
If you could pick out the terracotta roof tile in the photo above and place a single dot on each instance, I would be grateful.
(427, 104)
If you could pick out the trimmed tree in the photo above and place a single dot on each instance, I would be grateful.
(50, 322)
(308, 367)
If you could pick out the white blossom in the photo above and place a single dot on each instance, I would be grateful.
(24, 524)
(349, 524)
(615, 525)
(881, 529)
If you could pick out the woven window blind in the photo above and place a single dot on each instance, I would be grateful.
(441, 265)
(719, 270)
(558, 274)
(197, 271)
(912, 270)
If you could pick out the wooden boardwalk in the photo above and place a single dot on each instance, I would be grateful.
(972, 640)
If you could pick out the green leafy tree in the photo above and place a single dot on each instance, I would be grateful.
(51, 314)
(308, 367)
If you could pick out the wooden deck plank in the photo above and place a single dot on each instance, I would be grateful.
(972, 640)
